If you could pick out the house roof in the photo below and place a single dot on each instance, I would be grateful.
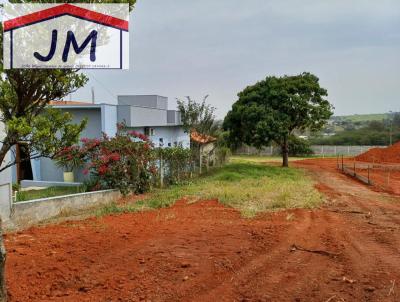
(63, 10)
(201, 138)
(68, 103)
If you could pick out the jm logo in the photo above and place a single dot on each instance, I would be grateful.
(91, 38)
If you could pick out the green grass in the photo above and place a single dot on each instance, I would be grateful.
(263, 159)
(364, 117)
(247, 185)
(48, 192)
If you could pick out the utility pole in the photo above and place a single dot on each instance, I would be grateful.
(391, 133)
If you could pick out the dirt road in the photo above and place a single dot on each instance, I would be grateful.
(349, 250)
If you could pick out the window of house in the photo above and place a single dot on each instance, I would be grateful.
(161, 142)
(175, 144)
(169, 145)
(149, 131)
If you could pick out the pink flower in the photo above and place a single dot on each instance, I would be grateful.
(102, 170)
(134, 133)
(114, 157)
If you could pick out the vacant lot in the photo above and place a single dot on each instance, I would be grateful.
(245, 184)
(200, 250)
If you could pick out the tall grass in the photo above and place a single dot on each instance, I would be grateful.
(251, 187)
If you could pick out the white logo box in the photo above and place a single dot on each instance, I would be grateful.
(86, 36)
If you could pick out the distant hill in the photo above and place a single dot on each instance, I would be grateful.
(362, 117)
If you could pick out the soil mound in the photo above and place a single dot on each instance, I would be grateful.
(382, 155)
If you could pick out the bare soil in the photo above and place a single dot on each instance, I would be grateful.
(349, 250)
(387, 179)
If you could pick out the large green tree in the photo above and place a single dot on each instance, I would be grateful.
(272, 109)
(24, 96)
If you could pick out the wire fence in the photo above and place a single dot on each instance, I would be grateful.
(175, 170)
(319, 150)
(383, 176)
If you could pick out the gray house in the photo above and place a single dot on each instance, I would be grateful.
(147, 114)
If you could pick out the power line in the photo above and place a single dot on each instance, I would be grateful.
(102, 85)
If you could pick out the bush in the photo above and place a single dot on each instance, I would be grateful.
(222, 154)
(177, 163)
(299, 147)
(124, 162)
(70, 158)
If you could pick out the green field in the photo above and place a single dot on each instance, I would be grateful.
(363, 117)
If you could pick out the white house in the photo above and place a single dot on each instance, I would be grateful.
(147, 114)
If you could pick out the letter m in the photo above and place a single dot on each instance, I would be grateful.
(78, 49)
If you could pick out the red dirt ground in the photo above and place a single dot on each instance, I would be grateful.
(385, 169)
(381, 155)
(383, 178)
(349, 250)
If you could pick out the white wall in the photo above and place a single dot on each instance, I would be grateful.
(5, 186)
(147, 117)
(109, 119)
(169, 134)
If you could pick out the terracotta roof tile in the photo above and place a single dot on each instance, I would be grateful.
(201, 138)
(67, 103)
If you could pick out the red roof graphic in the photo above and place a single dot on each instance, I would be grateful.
(62, 10)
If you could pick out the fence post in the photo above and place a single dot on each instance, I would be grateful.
(342, 164)
(201, 161)
(161, 172)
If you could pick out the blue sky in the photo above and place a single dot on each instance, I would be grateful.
(181, 47)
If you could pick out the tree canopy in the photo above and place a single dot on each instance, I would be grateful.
(197, 116)
(273, 108)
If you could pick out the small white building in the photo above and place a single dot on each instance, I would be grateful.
(147, 114)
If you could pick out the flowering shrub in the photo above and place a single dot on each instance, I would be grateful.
(128, 162)
(69, 158)
(177, 163)
(124, 162)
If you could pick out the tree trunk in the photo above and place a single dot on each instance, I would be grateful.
(285, 153)
(3, 290)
